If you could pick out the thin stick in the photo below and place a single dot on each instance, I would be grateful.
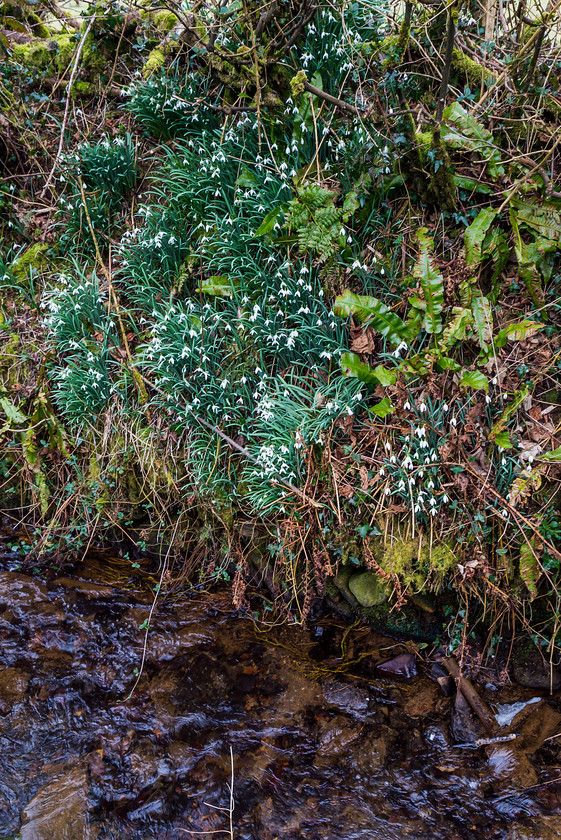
(67, 105)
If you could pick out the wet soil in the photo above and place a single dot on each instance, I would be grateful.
(320, 749)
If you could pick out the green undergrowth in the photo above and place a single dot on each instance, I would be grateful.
(257, 311)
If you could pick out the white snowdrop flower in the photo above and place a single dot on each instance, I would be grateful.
(224, 384)
(434, 457)
(407, 406)
(494, 380)
(503, 461)
(388, 446)
(430, 485)
(387, 491)
(420, 431)
(382, 472)
(433, 512)
(393, 460)
(445, 498)
(453, 422)
(487, 399)
(424, 444)
(445, 407)
(422, 407)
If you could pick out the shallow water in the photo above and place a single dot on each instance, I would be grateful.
(317, 753)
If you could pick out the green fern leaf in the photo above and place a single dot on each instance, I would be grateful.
(529, 568)
(432, 284)
(372, 311)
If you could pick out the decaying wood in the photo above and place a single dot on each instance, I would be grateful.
(467, 688)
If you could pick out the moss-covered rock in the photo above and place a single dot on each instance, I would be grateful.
(33, 258)
(55, 52)
(156, 59)
(368, 589)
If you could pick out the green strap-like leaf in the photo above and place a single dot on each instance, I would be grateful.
(483, 320)
(476, 233)
(432, 284)
(370, 310)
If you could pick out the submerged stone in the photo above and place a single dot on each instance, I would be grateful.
(60, 810)
(368, 589)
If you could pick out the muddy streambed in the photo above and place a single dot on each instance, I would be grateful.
(317, 753)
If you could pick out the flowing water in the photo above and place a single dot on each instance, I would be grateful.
(316, 752)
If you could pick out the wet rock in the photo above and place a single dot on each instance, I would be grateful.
(466, 726)
(541, 828)
(341, 581)
(88, 590)
(368, 589)
(13, 684)
(403, 665)
(508, 764)
(20, 591)
(147, 765)
(347, 698)
(59, 810)
(535, 724)
(530, 670)
(335, 738)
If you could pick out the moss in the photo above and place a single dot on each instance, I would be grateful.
(42, 53)
(417, 566)
(164, 21)
(94, 61)
(155, 60)
(80, 89)
(33, 258)
(473, 71)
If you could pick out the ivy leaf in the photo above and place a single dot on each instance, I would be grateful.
(503, 440)
(383, 408)
(474, 379)
(351, 365)
(218, 285)
(372, 311)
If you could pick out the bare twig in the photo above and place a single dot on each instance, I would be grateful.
(67, 105)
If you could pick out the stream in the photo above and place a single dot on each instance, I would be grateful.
(318, 749)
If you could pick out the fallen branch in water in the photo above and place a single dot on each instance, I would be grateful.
(467, 688)
(485, 742)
